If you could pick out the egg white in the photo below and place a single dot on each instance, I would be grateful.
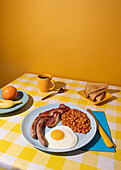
(70, 138)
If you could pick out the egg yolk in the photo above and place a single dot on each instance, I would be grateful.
(57, 134)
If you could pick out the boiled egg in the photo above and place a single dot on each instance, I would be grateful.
(61, 137)
(9, 93)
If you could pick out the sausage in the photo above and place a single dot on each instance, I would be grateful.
(33, 132)
(40, 135)
(33, 127)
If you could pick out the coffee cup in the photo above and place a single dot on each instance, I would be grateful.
(45, 82)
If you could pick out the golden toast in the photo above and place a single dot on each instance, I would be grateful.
(94, 87)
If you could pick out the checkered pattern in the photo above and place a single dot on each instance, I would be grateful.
(16, 152)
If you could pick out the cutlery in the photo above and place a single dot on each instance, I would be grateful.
(61, 90)
(105, 137)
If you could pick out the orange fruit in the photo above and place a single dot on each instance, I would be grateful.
(9, 93)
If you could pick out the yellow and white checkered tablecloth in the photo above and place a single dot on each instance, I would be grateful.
(17, 153)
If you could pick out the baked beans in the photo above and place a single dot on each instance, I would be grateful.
(76, 120)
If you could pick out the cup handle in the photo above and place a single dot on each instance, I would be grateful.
(53, 84)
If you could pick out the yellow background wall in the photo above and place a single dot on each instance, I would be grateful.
(78, 39)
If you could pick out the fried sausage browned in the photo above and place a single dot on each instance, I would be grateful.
(40, 135)
(36, 120)
(33, 127)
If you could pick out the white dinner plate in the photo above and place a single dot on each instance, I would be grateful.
(83, 139)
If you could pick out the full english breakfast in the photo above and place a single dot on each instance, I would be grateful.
(95, 91)
(60, 137)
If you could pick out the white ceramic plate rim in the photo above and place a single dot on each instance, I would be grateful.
(28, 119)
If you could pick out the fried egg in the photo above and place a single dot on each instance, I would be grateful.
(61, 137)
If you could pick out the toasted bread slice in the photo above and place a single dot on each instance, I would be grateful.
(101, 96)
(94, 87)
(95, 94)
